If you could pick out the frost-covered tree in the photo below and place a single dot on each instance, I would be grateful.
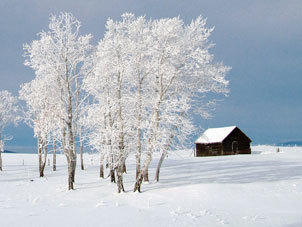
(139, 70)
(148, 81)
(183, 70)
(58, 56)
(108, 84)
(8, 114)
(120, 86)
(42, 113)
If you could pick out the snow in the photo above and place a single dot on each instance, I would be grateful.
(215, 135)
(262, 189)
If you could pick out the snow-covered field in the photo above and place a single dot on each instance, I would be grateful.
(262, 189)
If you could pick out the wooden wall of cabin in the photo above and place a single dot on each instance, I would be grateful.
(243, 143)
(208, 149)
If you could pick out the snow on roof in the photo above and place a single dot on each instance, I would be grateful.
(215, 135)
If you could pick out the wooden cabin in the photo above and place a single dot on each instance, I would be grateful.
(222, 141)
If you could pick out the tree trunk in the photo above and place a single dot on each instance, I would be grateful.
(101, 170)
(165, 152)
(71, 141)
(42, 170)
(68, 153)
(121, 163)
(43, 164)
(144, 171)
(138, 131)
(81, 149)
(146, 175)
(139, 180)
(163, 156)
(72, 153)
(81, 154)
(124, 169)
(120, 186)
(112, 175)
(112, 170)
(101, 166)
(120, 169)
(152, 141)
(54, 156)
(73, 166)
(71, 172)
(138, 164)
(71, 169)
(40, 156)
(70, 175)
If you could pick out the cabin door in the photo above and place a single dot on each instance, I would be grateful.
(235, 147)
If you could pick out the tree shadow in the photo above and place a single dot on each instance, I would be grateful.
(180, 173)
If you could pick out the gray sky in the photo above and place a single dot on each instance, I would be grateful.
(261, 40)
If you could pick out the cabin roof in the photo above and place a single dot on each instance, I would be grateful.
(215, 135)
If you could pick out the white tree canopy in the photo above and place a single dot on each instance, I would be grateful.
(148, 81)
(8, 114)
(8, 109)
(58, 58)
